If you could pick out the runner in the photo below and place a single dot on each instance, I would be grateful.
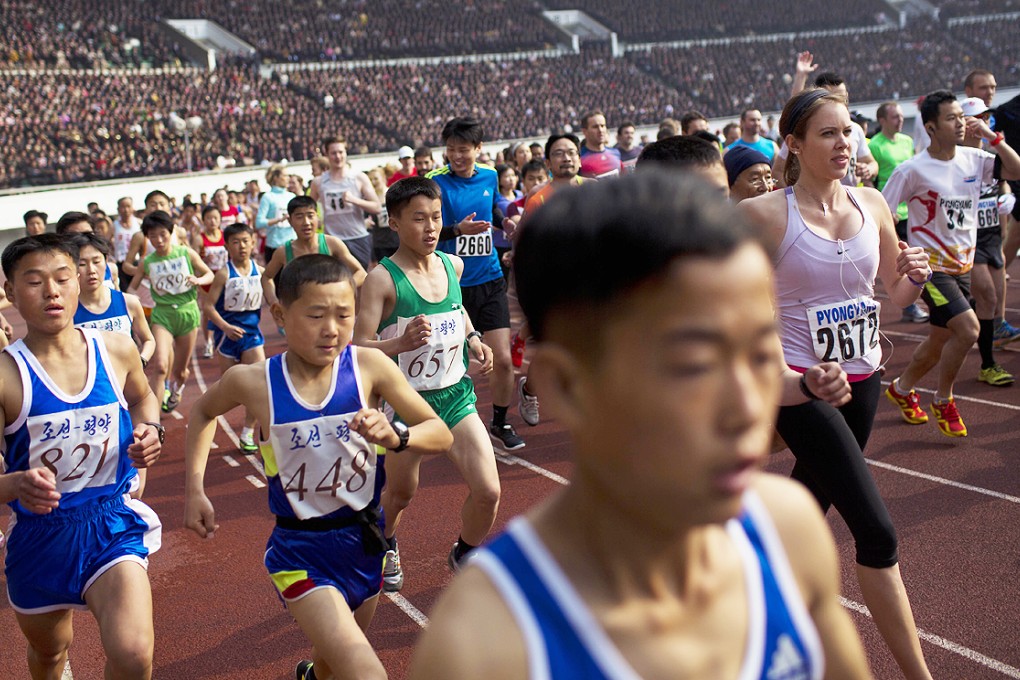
(325, 555)
(469, 193)
(304, 219)
(641, 567)
(411, 309)
(174, 272)
(212, 248)
(82, 223)
(828, 242)
(76, 411)
(346, 196)
(941, 186)
(233, 305)
(271, 220)
(748, 173)
(35, 222)
(598, 159)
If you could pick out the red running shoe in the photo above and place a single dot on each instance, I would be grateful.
(517, 350)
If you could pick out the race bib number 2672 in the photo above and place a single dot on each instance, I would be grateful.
(844, 331)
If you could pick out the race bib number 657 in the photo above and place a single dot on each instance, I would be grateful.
(844, 331)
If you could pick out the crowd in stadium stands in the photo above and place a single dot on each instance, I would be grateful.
(515, 98)
(646, 20)
(57, 128)
(79, 34)
(69, 128)
(961, 8)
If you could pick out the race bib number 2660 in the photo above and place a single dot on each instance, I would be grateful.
(844, 331)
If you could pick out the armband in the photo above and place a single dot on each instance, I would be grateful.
(805, 389)
(921, 284)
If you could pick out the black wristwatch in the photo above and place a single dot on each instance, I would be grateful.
(160, 431)
(403, 433)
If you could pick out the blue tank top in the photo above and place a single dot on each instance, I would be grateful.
(240, 301)
(114, 318)
(108, 277)
(82, 438)
(564, 640)
(315, 464)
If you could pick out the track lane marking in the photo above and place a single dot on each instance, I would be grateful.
(405, 605)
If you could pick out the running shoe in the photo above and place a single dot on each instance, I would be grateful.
(392, 574)
(949, 419)
(909, 405)
(173, 399)
(914, 314)
(166, 400)
(527, 404)
(995, 375)
(452, 560)
(1005, 334)
(517, 350)
(246, 440)
(506, 436)
(207, 353)
(3, 541)
(304, 670)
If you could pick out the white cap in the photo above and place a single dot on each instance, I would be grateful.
(973, 106)
(405, 152)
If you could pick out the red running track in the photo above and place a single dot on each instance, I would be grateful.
(955, 504)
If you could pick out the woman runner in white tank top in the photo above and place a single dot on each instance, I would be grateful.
(828, 242)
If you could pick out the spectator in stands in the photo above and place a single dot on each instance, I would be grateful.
(597, 159)
(405, 155)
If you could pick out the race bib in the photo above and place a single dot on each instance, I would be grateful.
(115, 324)
(957, 213)
(80, 447)
(988, 213)
(333, 202)
(440, 363)
(215, 257)
(324, 465)
(844, 331)
(475, 245)
(170, 277)
(242, 294)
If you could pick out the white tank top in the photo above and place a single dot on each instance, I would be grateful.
(340, 218)
(825, 294)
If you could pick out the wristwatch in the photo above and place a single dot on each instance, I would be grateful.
(403, 433)
(160, 431)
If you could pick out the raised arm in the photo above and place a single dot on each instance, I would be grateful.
(340, 251)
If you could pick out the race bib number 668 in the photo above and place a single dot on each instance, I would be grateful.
(844, 331)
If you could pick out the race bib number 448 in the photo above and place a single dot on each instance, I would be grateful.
(844, 331)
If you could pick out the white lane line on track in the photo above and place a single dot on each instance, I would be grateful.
(948, 645)
(255, 481)
(176, 415)
(229, 431)
(412, 612)
(229, 460)
(510, 459)
(943, 480)
(962, 397)
(67, 671)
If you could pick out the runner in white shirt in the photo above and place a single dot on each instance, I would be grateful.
(941, 186)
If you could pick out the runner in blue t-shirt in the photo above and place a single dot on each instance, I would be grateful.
(470, 190)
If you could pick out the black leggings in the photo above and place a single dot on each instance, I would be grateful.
(828, 444)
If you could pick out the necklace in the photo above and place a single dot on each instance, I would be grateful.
(825, 206)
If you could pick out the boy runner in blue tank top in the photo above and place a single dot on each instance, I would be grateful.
(317, 405)
(669, 555)
(233, 304)
(470, 191)
(411, 309)
(78, 419)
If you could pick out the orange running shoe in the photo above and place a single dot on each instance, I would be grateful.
(517, 350)
(949, 419)
(909, 404)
